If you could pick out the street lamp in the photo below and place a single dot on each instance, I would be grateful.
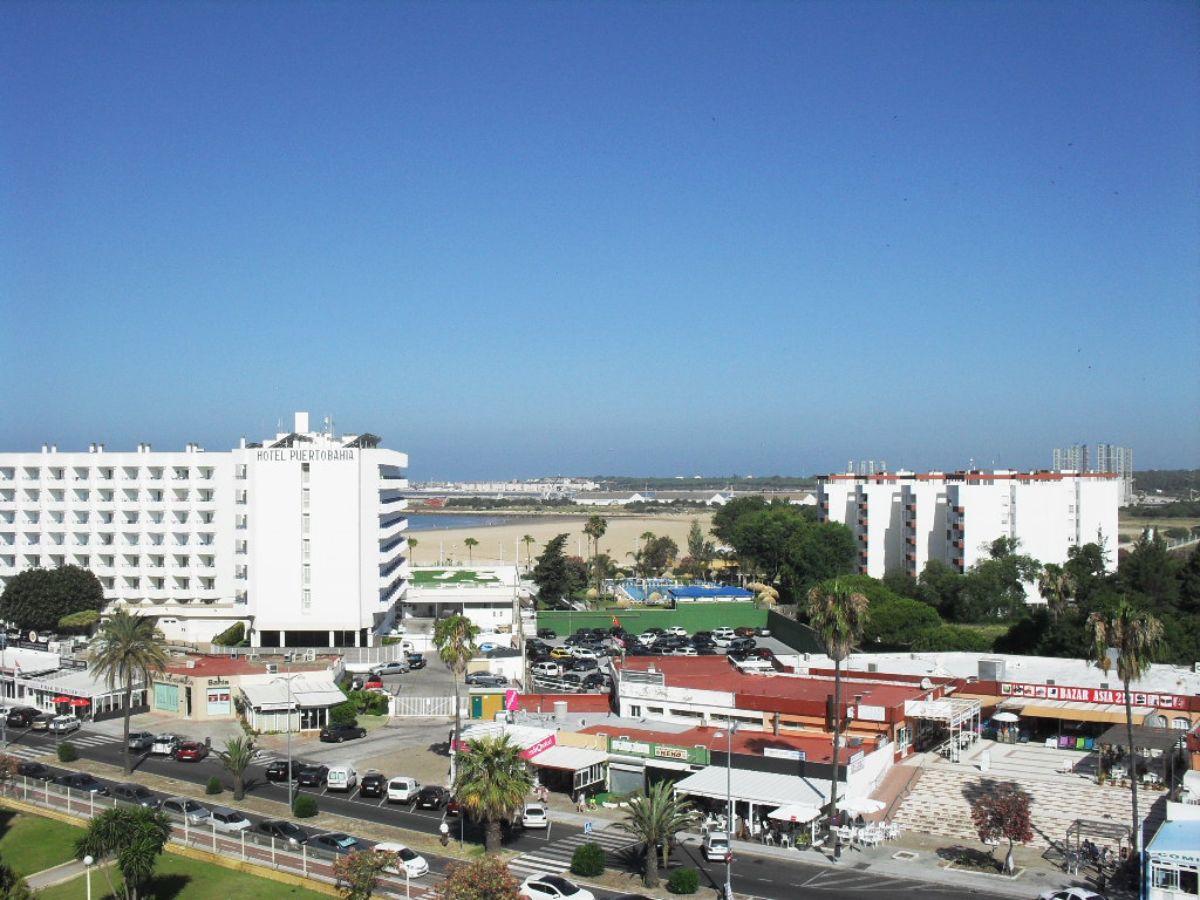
(287, 679)
(87, 861)
(730, 731)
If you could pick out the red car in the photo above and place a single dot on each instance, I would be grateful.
(373, 682)
(744, 631)
(191, 751)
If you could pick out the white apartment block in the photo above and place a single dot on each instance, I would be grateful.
(1109, 459)
(301, 537)
(902, 520)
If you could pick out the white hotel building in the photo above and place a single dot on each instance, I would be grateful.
(301, 537)
(902, 520)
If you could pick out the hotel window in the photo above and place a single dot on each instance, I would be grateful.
(239, 472)
(240, 498)
(306, 599)
(239, 547)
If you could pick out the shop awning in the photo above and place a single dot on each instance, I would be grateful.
(795, 812)
(767, 788)
(1083, 712)
(570, 759)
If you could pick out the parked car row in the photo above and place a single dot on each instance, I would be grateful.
(36, 720)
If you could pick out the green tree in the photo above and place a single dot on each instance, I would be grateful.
(655, 554)
(654, 818)
(554, 576)
(470, 543)
(128, 648)
(12, 885)
(725, 519)
(1150, 570)
(940, 585)
(1003, 812)
(1087, 567)
(36, 599)
(1056, 587)
(528, 540)
(700, 549)
(412, 547)
(454, 639)
(1131, 636)
(594, 528)
(357, 874)
(81, 622)
(492, 783)
(236, 758)
(231, 636)
(838, 614)
(485, 878)
(134, 837)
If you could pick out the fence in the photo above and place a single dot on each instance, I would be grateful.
(247, 846)
(799, 637)
(426, 707)
(693, 617)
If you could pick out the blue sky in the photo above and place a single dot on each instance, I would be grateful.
(636, 238)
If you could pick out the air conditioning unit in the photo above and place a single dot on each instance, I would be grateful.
(872, 667)
(310, 656)
(272, 668)
(190, 664)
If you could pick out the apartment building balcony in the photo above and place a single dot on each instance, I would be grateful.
(910, 540)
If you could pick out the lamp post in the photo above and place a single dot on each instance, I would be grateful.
(730, 730)
(87, 861)
(287, 679)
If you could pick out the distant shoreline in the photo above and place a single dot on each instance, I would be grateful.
(602, 511)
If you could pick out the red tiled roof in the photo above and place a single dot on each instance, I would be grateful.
(816, 749)
(211, 666)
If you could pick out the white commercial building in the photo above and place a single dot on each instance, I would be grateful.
(902, 520)
(302, 536)
(487, 595)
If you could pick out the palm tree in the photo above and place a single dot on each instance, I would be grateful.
(470, 543)
(654, 818)
(134, 837)
(1056, 586)
(838, 614)
(128, 647)
(1131, 636)
(412, 545)
(492, 784)
(594, 529)
(454, 638)
(528, 540)
(236, 758)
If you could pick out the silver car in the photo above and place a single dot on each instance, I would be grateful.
(64, 724)
(183, 808)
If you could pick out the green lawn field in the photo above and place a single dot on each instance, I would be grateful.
(29, 844)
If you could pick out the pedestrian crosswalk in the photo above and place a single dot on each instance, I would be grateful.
(79, 739)
(555, 857)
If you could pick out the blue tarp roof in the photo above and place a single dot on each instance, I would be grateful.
(1178, 838)
(692, 590)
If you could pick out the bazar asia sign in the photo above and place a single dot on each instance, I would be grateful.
(1091, 695)
(303, 454)
(697, 756)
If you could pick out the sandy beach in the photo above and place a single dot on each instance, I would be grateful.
(499, 543)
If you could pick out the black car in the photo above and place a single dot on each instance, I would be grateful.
(312, 776)
(335, 734)
(372, 784)
(22, 716)
(278, 770)
(547, 633)
(80, 781)
(594, 680)
(707, 635)
(336, 842)
(283, 830)
(742, 645)
(571, 681)
(633, 648)
(486, 679)
(34, 770)
(135, 794)
(431, 796)
(415, 661)
(584, 665)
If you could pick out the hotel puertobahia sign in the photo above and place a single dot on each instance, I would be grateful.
(696, 756)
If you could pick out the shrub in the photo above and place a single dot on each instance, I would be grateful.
(343, 714)
(67, 752)
(304, 806)
(213, 786)
(231, 636)
(588, 860)
(684, 881)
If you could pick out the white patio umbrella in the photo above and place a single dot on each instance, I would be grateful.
(798, 813)
(863, 805)
(1005, 717)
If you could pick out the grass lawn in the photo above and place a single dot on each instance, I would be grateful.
(187, 879)
(32, 843)
(438, 577)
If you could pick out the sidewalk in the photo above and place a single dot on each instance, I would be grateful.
(55, 875)
(1035, 874)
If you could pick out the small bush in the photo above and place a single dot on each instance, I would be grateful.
(684, 881)
(213, 786)
(304, 807)
(231, 636)
(67, 752)
(344, 714)
(588, 860)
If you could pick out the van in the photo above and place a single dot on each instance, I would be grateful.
(716, 846)
(403, 789)
(341, 778)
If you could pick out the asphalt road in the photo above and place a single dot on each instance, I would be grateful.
(756, 876)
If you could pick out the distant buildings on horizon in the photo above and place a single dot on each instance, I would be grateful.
(1109, 458)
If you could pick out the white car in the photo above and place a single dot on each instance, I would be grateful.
(552, 887)
(164, 744)
(723, 637)
(583, 653)
(64, 724)
(535, 815)
(547, 669)
(1074, 893)
(228, 821)
(677, 631)
(648, 637)
(683, 651)
(403, 789)
(716, 846)
(414, 863)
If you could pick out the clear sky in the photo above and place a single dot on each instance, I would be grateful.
(605, 237)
